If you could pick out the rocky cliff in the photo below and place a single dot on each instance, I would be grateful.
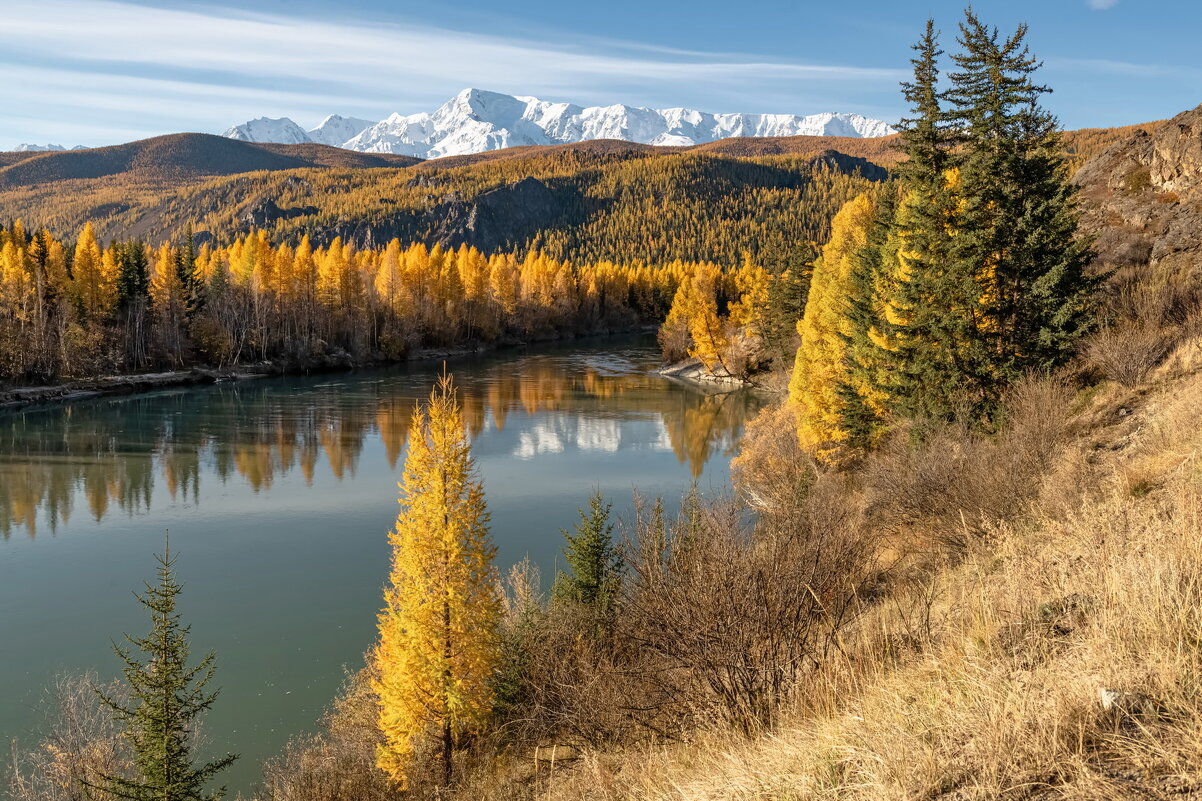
(1142, 199)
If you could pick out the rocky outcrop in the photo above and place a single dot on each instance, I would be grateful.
(693, 373)
(265, 212)
(500, 216)
(850, 165)
(1142, 198)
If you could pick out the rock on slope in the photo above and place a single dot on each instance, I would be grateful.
(1142, 198)
(475, 121)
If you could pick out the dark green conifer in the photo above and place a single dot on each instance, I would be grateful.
(192, 286)
(595, 566)
(788, 292)
(133, 274)
(1017, 227)
(167, 699)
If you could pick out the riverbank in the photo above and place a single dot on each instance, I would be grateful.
(335, 362)
(692, 373)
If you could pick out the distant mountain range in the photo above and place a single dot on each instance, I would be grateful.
(475, 121)
(25, 147)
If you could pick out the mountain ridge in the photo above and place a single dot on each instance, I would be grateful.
(476, 121)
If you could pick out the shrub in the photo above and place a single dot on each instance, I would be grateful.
(726, 618)
(953, 481)
(674, 340)
(1128, 354)
(81, 744)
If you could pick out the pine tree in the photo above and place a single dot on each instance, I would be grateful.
(594, 564)
(439, 644)
(168, 697)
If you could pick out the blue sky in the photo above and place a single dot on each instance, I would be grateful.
(98, 72)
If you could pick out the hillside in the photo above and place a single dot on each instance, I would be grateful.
(178, 157)
(1142, 197)
(588, 201)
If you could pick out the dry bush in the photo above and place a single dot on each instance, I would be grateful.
(950, 485)
(1127, 355)
(771, 472)
(81, 744)
(726, 618)
(339, 763)
(561, 682)
(744, 353)
(674, 341)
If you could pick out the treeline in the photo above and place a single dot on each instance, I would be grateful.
(88, 308)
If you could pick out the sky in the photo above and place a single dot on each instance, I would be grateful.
(98, 72)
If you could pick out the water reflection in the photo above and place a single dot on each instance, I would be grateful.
(108, 454)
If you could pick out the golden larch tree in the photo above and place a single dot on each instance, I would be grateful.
(821, 368)
(439, 646)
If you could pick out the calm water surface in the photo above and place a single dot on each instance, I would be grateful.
(278, 494)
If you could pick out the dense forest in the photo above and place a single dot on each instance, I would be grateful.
(87, 309)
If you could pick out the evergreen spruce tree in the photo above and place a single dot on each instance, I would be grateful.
(133, 298)
(133, 274)
(192, 286)
(1019, 220)
(787, 295)
(167, 699)
(941, 362)
(980, 276)
(594, 564)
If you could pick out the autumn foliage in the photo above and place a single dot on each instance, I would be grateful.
(438, 647)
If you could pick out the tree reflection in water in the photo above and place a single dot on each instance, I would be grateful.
(108, 454)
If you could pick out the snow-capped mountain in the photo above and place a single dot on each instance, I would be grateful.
(266, 129)
(334, 131)
(475, 120)
(25, 147)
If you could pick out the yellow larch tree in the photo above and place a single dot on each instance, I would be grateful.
(94, 291)
(707, 329)
(439, 648)
(821, 368)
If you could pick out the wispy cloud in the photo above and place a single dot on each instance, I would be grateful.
(1102, 5)
(1127, 68)
(82, 67)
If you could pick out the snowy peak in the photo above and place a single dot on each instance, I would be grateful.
(266, 129)
(476, 120)
(335, 130)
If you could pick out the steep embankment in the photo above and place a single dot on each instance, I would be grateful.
(1143, 198)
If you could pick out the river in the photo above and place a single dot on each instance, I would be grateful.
(278, 494)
